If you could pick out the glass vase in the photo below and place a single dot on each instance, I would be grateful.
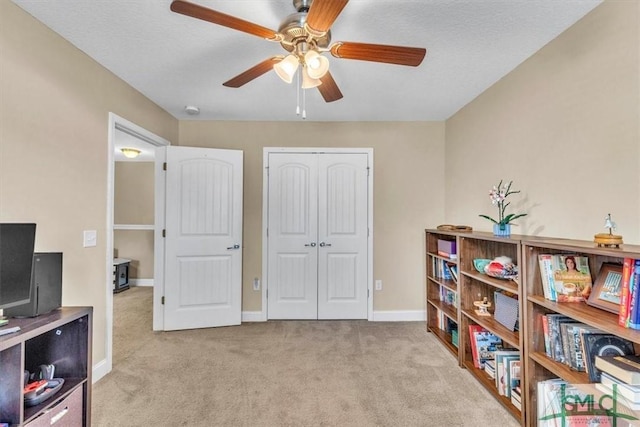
(502, 229)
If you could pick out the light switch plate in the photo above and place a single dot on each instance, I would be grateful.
(90, 238)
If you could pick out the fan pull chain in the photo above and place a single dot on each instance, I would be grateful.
(298, 96)
(304, 104)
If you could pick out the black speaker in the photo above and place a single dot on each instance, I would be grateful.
(46, 286)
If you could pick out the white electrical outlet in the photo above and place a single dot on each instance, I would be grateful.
(90, 238)
(256, 284)
(378, 285)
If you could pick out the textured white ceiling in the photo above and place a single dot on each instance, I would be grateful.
(177, 61)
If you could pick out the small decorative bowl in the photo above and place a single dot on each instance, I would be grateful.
(480, 264)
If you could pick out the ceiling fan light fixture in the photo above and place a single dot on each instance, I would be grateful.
(317, 65)
(309, 82)
(286, 68)
(130, 153)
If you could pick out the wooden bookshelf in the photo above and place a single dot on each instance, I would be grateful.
(472, 286)
(435, 285)
(538, 366)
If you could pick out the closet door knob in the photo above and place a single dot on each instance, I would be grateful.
(323, 244)
(234, 247)
(312, 244)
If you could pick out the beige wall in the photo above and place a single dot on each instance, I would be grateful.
(134, 193)
(134, 205)
(54, 105)
(408, 192)
(565, 126)
(137, 246)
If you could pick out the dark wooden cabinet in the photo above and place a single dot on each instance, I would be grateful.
(63, 338)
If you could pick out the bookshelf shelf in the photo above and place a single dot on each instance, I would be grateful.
(445, 338)
(448, 310)
(489, 383)
(449, 284)
(505, 285)
(492, 325)
(559, 369)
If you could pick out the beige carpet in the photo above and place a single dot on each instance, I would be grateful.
(284, 373)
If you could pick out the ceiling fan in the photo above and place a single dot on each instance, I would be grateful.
(306, 35)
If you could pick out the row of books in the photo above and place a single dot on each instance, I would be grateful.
(443, 269)
(500, 363)
(504, 369)
(622, 373)
(565, 278)
(448, 296)
(628, 292)
(446, 324)
(576, 344)
(484, 344)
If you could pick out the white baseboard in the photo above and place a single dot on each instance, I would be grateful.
(400, 316)
(378, 316)
(253, 316)
(100, 369)
(141, 282)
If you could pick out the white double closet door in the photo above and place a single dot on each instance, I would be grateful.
(317, 236)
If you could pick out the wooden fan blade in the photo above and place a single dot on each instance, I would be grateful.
(253, 72)
(206, 14)
(329, 89)
(400, 55)
(323, 13)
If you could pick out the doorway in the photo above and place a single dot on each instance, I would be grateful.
(317, 250)
(146, 142)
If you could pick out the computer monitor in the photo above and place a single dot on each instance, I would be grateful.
(17, 243)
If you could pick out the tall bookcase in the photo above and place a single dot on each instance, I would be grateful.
(443, 316)
(538, 366)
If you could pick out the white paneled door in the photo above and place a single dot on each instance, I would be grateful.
(317, 235)
(203, 243)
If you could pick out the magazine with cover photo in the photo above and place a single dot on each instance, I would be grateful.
(571, 278)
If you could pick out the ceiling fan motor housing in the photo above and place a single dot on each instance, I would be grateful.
(293, 31)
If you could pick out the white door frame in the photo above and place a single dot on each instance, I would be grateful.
(116, 122)
(265, 216)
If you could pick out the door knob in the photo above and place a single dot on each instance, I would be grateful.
(234, 247)
(312, 244)
(323, 244)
